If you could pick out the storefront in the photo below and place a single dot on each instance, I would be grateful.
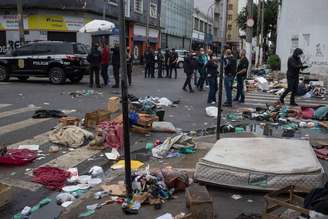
(41, 27)
(137, 40)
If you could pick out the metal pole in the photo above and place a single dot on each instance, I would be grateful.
(20, 21)
(257, 61)
(262, 33)
(125, 107)
(147, 24)
(249, 35)
(104, 10)
(223, 42)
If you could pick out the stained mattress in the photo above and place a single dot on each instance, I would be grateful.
(261, 164)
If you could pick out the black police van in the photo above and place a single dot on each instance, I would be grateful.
(57, 60)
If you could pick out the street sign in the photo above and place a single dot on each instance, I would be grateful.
(250, 22)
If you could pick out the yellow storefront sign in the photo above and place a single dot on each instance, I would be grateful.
(44, 22)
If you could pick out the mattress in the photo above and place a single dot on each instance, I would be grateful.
(261, 164)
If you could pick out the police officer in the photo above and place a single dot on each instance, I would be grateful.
(94, 58)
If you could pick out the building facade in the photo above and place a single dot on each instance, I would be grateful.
(202, 36)
(307, 28)
(176, 23)
(61, 20)
(232, 29)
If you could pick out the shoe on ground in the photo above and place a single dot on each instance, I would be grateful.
(184, 89)
(293, 104)
(191, 91)
(115, 86)
(236, 100)
(213, 103)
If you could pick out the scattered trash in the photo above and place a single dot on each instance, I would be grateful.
(114, 189)
(26, 211)
(114, 155)
(212, 111)
(51, 177)
(163, 127)
(96, 171)
(94, 181)
(32, 147)
(249, 216)
(236, 197)
(166, 216)
(164, 102)
(101, 194)
(18, 157)
(135, 164)
(180, 142)
(71, 136)
(53, 149)
(87, 213)
(62, 198)
(42, 114)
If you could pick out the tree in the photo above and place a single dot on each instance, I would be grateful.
(271, 8)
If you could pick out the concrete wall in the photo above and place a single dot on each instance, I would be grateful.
(304, 24)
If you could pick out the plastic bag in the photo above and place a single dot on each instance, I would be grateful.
(163, 127)
(212, 111)
(113, 133)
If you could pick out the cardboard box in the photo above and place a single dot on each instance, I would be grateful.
(93, 119)
(199, 202)
(65, 121)
(5, 194)
(146, 120)
(113, 104)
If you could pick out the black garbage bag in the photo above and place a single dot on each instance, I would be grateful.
(317, 200)
(41, 114)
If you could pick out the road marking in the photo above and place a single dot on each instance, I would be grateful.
(23, 184)
(20, 125)
(17, 111)
(70, 159)
(40, 139)
(4, 105)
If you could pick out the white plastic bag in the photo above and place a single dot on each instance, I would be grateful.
(163, 127)
(96, 172)
(212, 111)
(262, 83)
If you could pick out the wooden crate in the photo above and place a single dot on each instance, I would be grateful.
(70, 120)
(199, 202)
(93, 119)
(113, 104)
(281, 200)
(5, 194)
(146, 120)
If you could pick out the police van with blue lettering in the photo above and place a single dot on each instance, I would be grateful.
(58, 61)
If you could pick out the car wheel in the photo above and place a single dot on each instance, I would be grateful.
(4, 75)
(57, 75)
(75, 79)
(180, 64)
(23, 78)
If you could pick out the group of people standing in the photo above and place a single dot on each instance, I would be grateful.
(165, 62)
(99, 59)
(204, 67)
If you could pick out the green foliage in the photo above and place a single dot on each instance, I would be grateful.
(271, 8)
(274, 62)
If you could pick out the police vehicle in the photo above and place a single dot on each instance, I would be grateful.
(58, 61)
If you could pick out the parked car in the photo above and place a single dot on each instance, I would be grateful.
(181, 55)
(56, 60)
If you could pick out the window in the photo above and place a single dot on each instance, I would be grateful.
(229, 36)
(153, 10)
(230, 6)
(201, 27)
(209, 28)
(138, 6)
(205, 27)
(229, 27)
(229, 17)
(196, 24)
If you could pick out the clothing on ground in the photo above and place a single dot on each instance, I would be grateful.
(18, 157)
(51, 177)
(70, 136)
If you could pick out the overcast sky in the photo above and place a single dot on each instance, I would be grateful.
(204, 4)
